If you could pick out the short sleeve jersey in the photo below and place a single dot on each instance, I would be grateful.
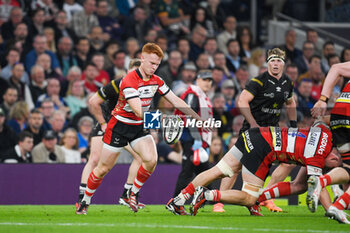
(133, 86)
(109, 94)
(308, 147)
(269, 96)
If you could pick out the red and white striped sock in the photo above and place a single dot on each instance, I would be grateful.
(212, 195)
(185, 194)
(343, 202)
(141, 177)
(325, 180)
(91, 186)
(280, 189)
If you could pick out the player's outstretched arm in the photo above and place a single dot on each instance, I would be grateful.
(181, 105)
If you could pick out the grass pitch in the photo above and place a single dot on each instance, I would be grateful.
(154, 219)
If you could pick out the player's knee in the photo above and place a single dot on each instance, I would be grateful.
(253, 192)
(224, 168)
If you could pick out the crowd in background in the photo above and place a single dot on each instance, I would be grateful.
(53, 57)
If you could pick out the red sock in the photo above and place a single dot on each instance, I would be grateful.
(217, 195)
(188, 191)
(342, 202)
(92, 184)
(325, 180)
(278, 190)
(141, 177)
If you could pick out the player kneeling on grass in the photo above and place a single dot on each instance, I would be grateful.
(253, 153)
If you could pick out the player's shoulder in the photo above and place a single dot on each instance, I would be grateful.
(261, 79)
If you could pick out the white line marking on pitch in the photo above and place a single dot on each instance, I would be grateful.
(166, 226)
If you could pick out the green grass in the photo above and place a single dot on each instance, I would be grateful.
(154, 219)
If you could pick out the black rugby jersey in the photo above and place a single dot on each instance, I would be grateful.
(110, 95)
(269, 96)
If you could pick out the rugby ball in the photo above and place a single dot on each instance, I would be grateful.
(172, 129)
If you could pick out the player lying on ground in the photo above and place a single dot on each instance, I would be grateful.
(102, 104)
(253, 153)
(340, 126)
(137, 90)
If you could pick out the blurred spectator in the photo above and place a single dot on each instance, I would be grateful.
(137, 25)
(35, 122)
(312, 36)
(316, 75)
(47, 108)
(74, 73)
(57, 121)
(83, 21)
(216, 14)
(199, 34)
(216, 150)
(48, 151)
(9, 99)
(292, 53)
(183, 45)
(202, 61)
(71, 7)
(20, 153)
(38, 85)
(75, 97)
(20, 40)
(8, 137)
(91, 73)
(229, 33)
(219, 113)
(69, 144)
(245, 40)
(48, 6)
(111, 27)
(210, 47)
(241, 78)
(345, 55)
(13, 57)
(36, 25)
(44, 61)
(187, 77)
(233, 59)
(333, 59)
(82, 52)
(328, 48)
(85, 125)
(96, 39)
(103, 76)
(150, 36)
(18, 116)
(256, 61)
(117, 71)
(237, 125)
(61, 27)
(220, 61)
(15, 17)
(22, 88)
(112, 46)
(162, 41)
(305, 101)
(218, 79)
(64, 54)
(292, 72)
(132, 46)
(200, 17)
(83, 112)
(170, 72)
(53, 93)
(125, 7)
(228, 90)
(302, 62)
(50, 37)
(172, 17)
(40, 43)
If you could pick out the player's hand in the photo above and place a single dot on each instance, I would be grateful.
(319, 109)
(254, 125)
(104, 127)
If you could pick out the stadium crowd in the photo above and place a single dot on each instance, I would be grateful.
(54, 57)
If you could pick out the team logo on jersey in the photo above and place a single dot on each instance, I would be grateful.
(271, 95)
(286, 94)
(278, 89)
(152, 120)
